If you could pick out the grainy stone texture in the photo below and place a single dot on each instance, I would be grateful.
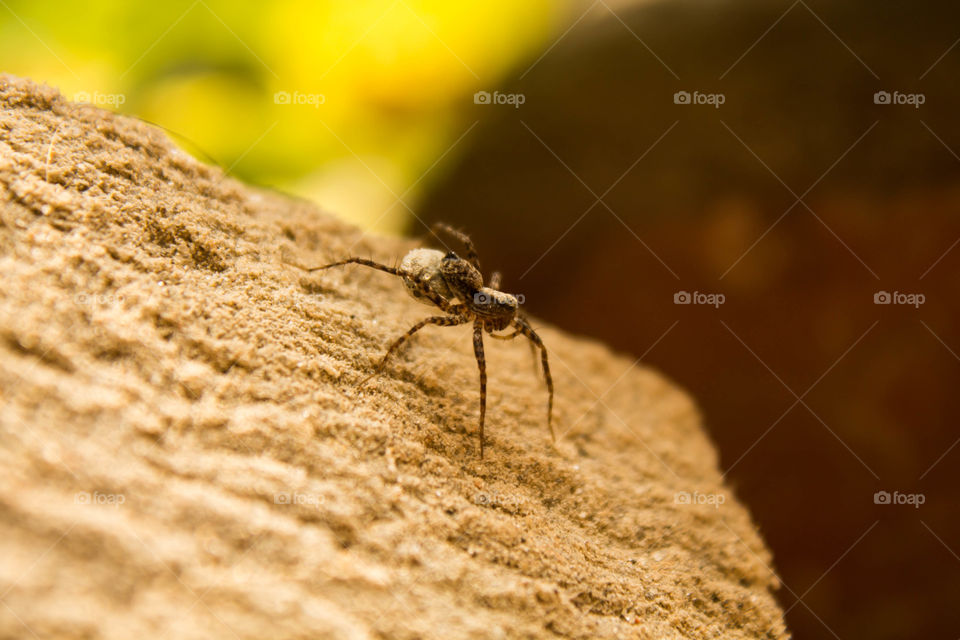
(184, 455)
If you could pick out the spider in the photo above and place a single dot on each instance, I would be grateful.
(455, 285)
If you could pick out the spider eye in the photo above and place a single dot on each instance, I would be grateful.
(451, 256)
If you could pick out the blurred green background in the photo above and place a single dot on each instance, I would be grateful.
(348, 104)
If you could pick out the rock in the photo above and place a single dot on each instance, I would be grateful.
(185, 455)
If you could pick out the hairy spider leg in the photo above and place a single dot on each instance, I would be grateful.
(509, 336)
(465, 240)
(440, 321)
(482, 365)
(524, 328)
(367, 263)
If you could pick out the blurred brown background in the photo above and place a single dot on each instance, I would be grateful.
(799, 198)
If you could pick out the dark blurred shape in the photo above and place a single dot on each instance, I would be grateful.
(706, 199)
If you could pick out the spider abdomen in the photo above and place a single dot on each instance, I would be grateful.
(420, 269)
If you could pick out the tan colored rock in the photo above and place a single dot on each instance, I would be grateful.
(184, 455)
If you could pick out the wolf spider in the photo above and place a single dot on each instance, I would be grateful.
(455, 285)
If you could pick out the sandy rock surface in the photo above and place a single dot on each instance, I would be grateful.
(184, 454)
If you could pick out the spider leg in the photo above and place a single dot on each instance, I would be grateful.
(482, 365)
(464, 239)
(363, 261)
(527, 330)
(440, 321)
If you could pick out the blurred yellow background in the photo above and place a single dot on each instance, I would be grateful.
(349, 104)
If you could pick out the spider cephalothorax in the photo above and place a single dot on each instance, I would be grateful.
(455, 285)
